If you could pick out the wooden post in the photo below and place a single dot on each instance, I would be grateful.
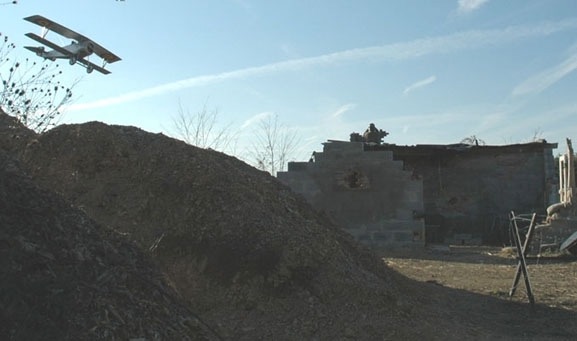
(521, 253)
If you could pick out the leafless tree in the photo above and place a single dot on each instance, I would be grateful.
(537, 135)
(201, 129)
(31, 91)
(274, 145)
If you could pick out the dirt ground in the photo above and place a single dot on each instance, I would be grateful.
(489, 271)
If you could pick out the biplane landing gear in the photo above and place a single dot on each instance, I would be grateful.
(72, 60)
(89, 69)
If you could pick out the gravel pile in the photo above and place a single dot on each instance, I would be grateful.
(64, 277)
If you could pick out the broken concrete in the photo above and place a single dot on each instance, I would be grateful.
(369, 194)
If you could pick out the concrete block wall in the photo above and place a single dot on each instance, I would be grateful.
(469, 193)
(366, 192)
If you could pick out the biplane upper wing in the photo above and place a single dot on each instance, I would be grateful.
(103, 53)
(48, 43)
(56, 27)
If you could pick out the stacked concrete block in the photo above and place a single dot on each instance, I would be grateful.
(469, 191)
(366, 192)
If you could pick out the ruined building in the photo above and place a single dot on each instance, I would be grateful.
(405, 196)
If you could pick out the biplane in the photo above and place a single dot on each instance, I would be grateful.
(77, 51)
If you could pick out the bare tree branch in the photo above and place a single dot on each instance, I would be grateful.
(31, 91)
(473, 140)
(201, 129)
(537, 135)
(274, 145)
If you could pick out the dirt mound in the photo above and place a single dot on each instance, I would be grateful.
(14, 136)
(63, 277)
(254, 259)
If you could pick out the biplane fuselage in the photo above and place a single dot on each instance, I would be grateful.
(80, 50)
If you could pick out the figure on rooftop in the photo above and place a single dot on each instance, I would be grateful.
(374, 135)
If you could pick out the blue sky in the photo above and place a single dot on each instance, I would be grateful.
(428, 72)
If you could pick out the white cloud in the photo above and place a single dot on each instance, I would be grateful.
(255, 119)
(468, 6)
(343, 109)
(419, 84)
(546, 78)
(392, 52)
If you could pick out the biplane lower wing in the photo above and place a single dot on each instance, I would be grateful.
(48, 43)
(103, 53)
(91, 66)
